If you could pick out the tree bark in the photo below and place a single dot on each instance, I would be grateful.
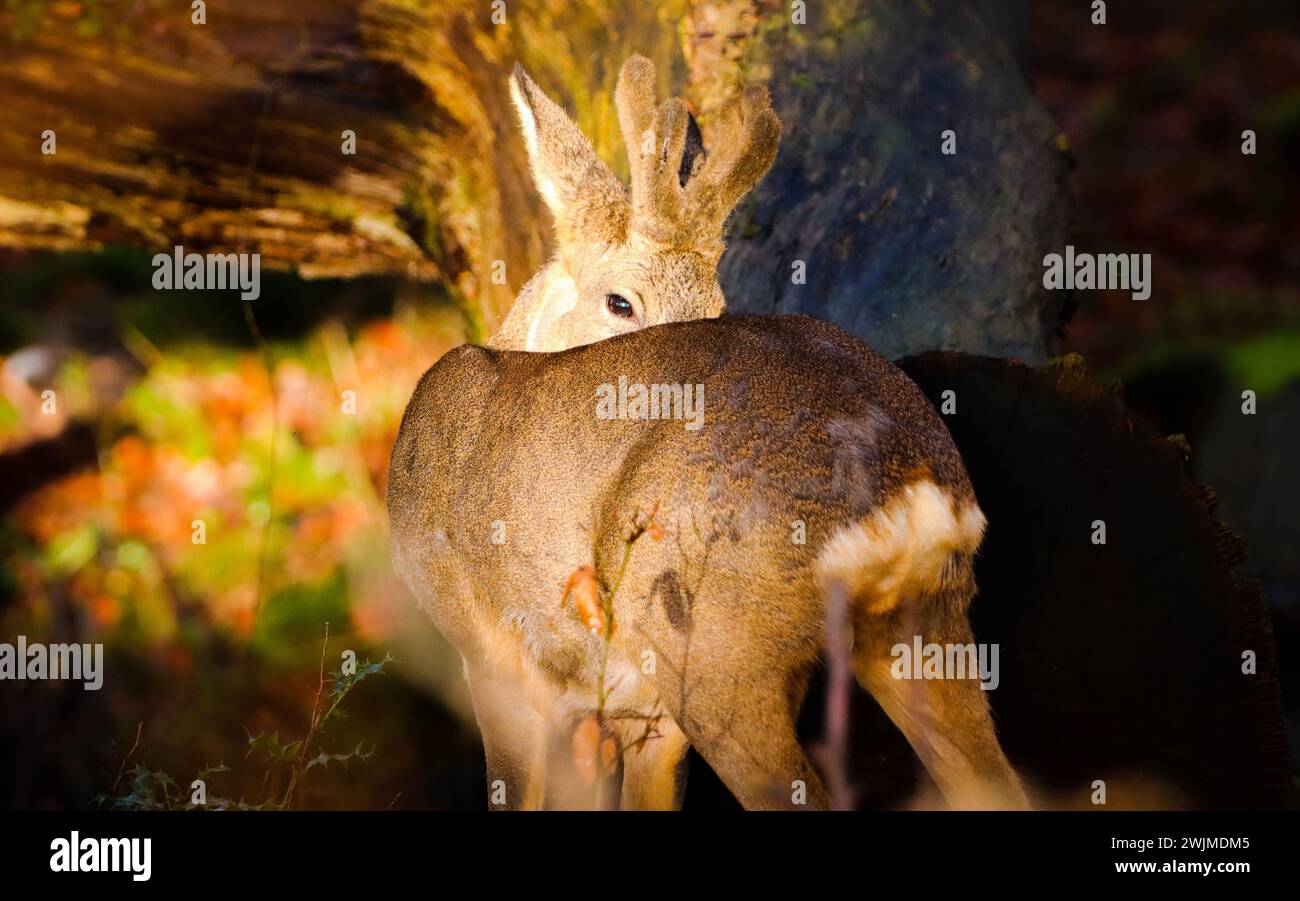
(905, 246)
(229, 135)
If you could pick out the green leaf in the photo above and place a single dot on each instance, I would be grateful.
(270, 745)
(357, 753)
(70, 551)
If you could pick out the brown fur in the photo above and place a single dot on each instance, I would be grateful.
(801, 422)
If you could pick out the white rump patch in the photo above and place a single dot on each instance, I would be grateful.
(902, 550)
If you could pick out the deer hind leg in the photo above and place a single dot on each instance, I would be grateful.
(515, 737)
(908, 571)
(654, 763)
(946, 720)
(748, 738)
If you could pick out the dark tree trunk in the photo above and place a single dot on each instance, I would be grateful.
(902, 245)
(1123, 661)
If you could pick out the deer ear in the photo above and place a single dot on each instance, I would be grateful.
(565, 168)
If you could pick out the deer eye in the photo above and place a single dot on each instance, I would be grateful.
(619, 305)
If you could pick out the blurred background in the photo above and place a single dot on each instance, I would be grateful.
(173, 407)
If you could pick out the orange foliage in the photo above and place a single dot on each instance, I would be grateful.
(58, 508)
(195, 440)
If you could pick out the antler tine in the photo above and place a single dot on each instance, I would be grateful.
(634, 97)
(660, 208)
(656, 142)
(735, 166)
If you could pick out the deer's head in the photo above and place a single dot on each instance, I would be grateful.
(628, 259)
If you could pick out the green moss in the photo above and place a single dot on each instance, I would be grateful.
(418, 215)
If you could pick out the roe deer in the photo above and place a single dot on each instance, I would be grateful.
(802, 423)
(624, 262)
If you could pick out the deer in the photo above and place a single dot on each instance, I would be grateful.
(504, 477)
(623, 262)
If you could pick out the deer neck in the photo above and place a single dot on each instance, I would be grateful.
(548, 295)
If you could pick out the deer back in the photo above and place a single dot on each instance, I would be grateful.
(800, 422)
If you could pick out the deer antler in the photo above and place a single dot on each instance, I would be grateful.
(681, 196)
